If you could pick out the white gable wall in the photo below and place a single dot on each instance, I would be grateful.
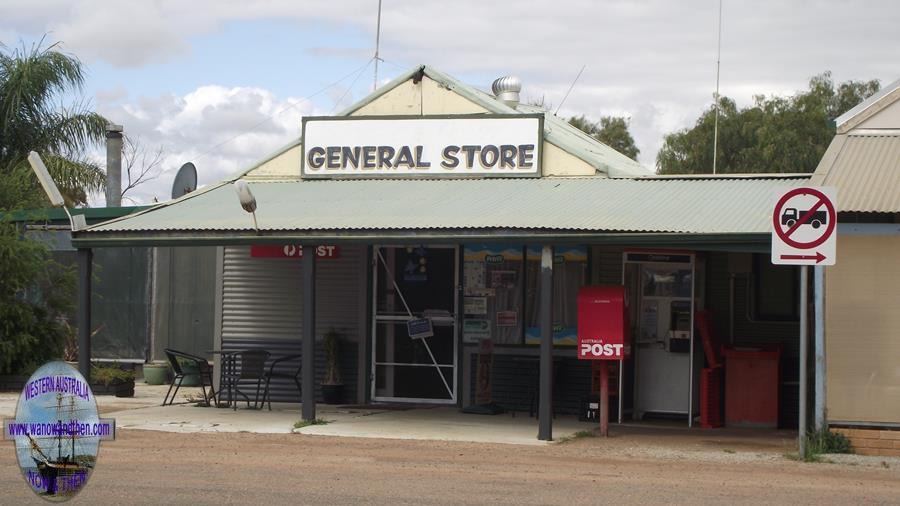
(428, 97)
(889, 117)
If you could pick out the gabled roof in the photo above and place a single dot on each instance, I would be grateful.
(557, 131)
(865, 169)
(868, 107)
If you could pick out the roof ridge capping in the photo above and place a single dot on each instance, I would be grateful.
(557, 131)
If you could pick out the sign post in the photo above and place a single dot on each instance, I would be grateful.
(804, 221)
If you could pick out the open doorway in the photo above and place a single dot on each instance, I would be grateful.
(415, 282)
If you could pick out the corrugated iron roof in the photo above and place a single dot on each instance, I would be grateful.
(865, 168)
(693, 206)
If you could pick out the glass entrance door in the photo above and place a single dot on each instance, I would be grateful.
(413, 283)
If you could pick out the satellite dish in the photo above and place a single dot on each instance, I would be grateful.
(185, 180)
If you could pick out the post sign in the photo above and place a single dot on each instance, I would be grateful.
(419, 328)
(804, 222)
(602, 316)
(416, 146)
(292, 251)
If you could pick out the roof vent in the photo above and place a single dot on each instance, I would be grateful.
(507, 89)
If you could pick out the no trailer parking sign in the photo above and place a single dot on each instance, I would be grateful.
(804, 225)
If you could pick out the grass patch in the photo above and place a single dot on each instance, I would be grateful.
(578, 435)
(306, 423)
(822, 442)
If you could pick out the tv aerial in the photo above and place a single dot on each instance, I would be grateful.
(185, 180)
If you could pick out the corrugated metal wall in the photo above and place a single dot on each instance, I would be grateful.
(184, 300)
(262, 306)
(120, 301)
(514, 382)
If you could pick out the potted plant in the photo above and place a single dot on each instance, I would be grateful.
(332, 385)
(155, 373)
(112, 380)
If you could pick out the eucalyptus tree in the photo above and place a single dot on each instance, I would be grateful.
(773, 134)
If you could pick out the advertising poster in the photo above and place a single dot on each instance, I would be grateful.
(507, 318)
(476, 330)
(475, 305)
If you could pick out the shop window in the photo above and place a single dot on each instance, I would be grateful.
(492, 293)
(569, 274)
(774, 290)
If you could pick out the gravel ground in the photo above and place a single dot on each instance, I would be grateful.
(147, 467)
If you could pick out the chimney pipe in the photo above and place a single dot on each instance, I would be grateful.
(113, 165)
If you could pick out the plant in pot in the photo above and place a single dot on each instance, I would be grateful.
(112, 380)
(155, 373)
(332, 385)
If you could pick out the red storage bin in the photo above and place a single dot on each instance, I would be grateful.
(751, 387)
(710, 397)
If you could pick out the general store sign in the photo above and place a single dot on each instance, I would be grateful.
(422, 146)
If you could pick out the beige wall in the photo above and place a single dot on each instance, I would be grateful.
(427, 97)
(862, 330)
(889, 117)
(285, 165)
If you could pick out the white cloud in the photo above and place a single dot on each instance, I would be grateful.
(654, 60)
(222, 130)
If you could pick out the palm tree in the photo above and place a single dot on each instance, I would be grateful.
(34, 84)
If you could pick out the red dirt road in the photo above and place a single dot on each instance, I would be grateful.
(145, 467)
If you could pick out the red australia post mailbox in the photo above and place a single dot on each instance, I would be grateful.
(602, 323)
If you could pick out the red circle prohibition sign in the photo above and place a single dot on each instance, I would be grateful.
(785, 235)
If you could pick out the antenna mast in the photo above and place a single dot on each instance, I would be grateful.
(718, 66)
(377, 43)
(570, 89)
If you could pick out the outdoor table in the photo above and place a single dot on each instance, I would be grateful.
(225, 363)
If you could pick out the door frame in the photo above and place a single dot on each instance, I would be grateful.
(376, 319)
(693, 299)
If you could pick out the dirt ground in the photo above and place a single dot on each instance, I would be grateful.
(147, 467)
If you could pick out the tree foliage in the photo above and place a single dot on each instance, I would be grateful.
(611, 130)
(34, 116)
(774, 134)
(35, 293)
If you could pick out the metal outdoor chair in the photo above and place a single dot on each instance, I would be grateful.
(177, 359)
(242, 366)
(290, 373)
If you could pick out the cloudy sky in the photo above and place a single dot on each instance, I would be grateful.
(222, 83)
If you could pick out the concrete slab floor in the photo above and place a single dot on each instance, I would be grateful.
(143, 411)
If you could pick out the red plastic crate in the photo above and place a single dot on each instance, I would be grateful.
(710, 397)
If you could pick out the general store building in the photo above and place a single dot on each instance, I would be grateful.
(544, 210)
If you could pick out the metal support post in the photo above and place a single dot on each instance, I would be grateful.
(804, 342)
(545, 406)
(85, 271)
(819, 312)
(604, 398)
(309, 332)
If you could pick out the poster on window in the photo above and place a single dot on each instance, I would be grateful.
(475, 305)
(507, 318)
(504, 279)
(474, 330)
